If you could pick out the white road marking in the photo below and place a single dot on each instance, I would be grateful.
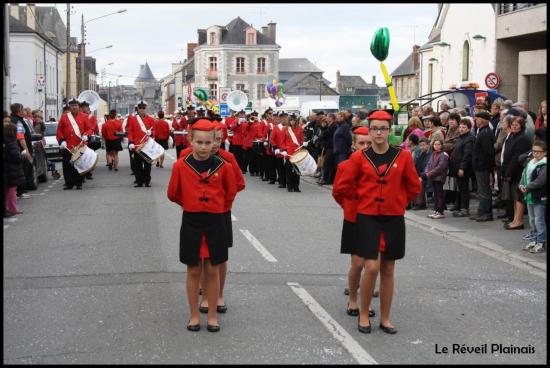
(259, 247)
(233, 218)
(50, 186)
(46, 190)
(337, 331)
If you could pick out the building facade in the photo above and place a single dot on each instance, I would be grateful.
(406, 79)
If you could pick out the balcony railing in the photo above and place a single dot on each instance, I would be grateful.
(512, 7)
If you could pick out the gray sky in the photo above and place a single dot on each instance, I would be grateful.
(333, 36)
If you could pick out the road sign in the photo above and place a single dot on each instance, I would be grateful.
(224, 110)
(492, 80)
(224, 91)
(40, 81)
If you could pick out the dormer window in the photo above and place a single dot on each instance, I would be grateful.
(212, 38)
(250, 36)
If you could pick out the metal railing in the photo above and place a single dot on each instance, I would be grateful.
(512, 7)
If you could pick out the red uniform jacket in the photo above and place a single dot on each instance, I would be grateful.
(277, 139)
(66, 133)
(384, 194)
(250, 134)
(109, 129)
(291, 147)
(228, 121)
(237, 132)
(161, 129)
(135, 134)
(196, 192)
(269, 131)
(348, 205)
(93, 124)
(180, 140)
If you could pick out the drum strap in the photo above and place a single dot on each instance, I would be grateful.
(141, 125)
(74, 124)
(292, 136)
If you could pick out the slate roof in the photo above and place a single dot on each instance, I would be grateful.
(234, 34)
(48, 24)
(298, 65)
(353, 81)
(298, 78)
(145, 74)
(428, 45)
(406, 67)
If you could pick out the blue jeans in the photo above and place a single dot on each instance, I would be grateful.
(537, 221)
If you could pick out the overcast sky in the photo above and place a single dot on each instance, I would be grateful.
(333, 36)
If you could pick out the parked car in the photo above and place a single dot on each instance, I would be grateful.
(39, 173)
(52, 146)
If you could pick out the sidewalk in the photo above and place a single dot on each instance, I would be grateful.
(487, 236)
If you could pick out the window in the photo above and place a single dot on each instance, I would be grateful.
(240, 86)
(240, 65)
(250, 39)
(261, 91)
(261, 65)
(465, 61)
(213, 62)
(212, 38)
(430, 77)
(213, 95)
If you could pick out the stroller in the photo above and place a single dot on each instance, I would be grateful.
(51, 167)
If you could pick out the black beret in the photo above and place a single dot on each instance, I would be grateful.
(484, 115)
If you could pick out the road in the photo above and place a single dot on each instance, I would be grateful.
(93, 277)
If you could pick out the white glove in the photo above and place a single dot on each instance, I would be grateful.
(284, 153)
(131, 147)
(148, 132)
(305, 144)
(277, 151)
(265, 143)
(84, 138)
(63, 144)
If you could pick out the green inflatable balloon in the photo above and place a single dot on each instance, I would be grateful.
(201, 94)
(380, 44)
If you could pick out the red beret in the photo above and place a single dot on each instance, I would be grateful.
(203, 124)
(380, 115)
(361, 131)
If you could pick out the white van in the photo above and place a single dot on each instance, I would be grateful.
(313, 107)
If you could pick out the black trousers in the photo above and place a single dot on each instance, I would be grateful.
(237, 150)
(463, 197)
(271, 167)
(262, 165)
(439, 196)
(132, 166)
(252, 161)
(70, 174)
(292, 178)
(142, 169)
(281, 174)
(329, 169)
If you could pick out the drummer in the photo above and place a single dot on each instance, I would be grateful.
(112, 142)
(85, 108)
(262, 150)
(139, 129)
(250, 135)
(161, 132)
(73, 129)
(270, 161)
(294, 138)
(202, 184)
(277, 141)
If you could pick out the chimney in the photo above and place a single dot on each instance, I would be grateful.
(14, 10)
(264, 31)
(415, 58)
(271, 29)
(374, 80)
(31, 14)
(338, 81)
(191, 50)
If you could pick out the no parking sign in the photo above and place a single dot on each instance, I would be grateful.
(492, 80)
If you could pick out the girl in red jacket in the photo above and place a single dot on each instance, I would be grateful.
(294, 138)
(202, 184)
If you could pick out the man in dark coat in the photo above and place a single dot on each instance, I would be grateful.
(483, 161)
(342, 139)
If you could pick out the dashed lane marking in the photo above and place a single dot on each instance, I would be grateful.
(259, 247)
(337, 331)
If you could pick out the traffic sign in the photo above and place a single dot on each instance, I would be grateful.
(224, 92)
(492, 80)
(224, 110)
(40, 81)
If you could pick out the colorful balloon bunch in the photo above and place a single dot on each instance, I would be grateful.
(276, 91)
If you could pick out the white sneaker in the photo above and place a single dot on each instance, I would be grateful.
(438, 216)
(538, 248)
(529, 246)
(529, 236)
(431, 215)
(24, 195)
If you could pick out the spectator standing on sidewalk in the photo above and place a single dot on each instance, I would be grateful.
(415, 127)
(483, 162)
(420, 163)
(342, 139)
(542, 120)
(12, 168)
(460, 166)
(327, 142)
(38, 122)
(501, 135)
(451, 137)
(436, 172)
(533, 186)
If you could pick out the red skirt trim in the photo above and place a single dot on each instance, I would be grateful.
(204, 253)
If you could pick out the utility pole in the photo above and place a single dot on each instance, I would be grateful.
(109, 98)
(82, 45)
(68, 71)
(6, 63)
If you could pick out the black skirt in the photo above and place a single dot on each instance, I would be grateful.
(348, 243)
(229, 228)
(163, 143)
(367, 235)
(113, 145)
(212, 225)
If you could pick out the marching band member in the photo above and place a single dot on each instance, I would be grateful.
(237, 142)
(263, 136)
(270, 162)
(112, 142)
(277, 141)
(161, 132)
(294, 138)
(202, 184)
(139, 128)
(384, 180)
(249, 131)
(85, 108)
(73, 129)
(179, 124)
(228, 122)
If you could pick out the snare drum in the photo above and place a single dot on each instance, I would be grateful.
(94, 142)
(84, 160)
(150, 151)
(304, 162)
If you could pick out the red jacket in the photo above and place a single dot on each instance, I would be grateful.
(109, 129)
(277, 138)
(180, 140)
(66, 133)
(228, 121)
(348, 205)
(387, 194)
(202, 192)
(291, 147)
(93, 124)
(250, 134)
(135, 134)
(238, 135)
(161, 129)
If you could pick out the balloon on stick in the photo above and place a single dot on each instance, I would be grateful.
(379, 48)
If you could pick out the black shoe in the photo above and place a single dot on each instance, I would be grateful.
(66, 187)
(138, 185)
(363, 329)
(352, 311)
(89, 177)
(484, 218)
(346, 291)
(221, 308)
(148, 185)
(290, 189)
(193, 328)
(212, 328)
(297, 190)
(372, 313)
(389, 330)
(265, 179)
(110, 167)
(203, 309)
(416, 208)
(79, 187)
(508, 227)
(504, 216)
(158, 164)
(8, 214)
(507, 220)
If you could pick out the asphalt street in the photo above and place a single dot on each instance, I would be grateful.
(93, 277)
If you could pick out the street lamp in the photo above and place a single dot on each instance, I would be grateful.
(83, 43)
(102, 48)
(479, 37)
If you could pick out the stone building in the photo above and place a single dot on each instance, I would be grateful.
(405, 78)
(148, 88)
